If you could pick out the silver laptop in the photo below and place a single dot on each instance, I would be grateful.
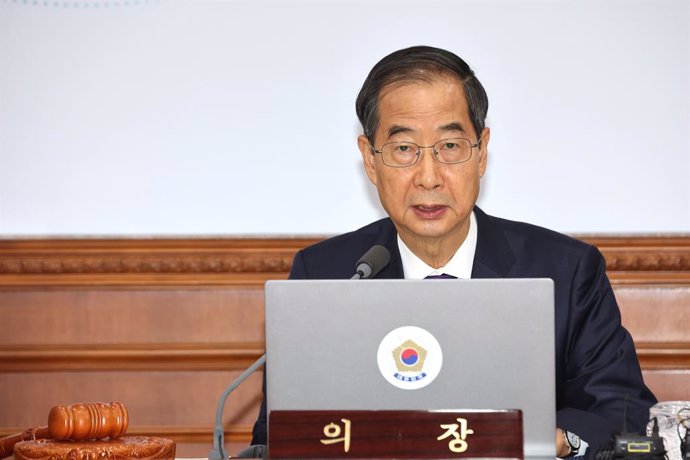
(415, 345)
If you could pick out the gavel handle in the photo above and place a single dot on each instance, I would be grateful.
(7, 443)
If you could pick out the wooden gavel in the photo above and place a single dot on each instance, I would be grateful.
(77, 422)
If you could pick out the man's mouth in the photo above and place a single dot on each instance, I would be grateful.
(429, 211)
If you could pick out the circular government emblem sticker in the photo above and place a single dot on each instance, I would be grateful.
(409, 357)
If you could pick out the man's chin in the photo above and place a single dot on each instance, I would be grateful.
(427, 230)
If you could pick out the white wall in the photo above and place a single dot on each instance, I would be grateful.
(237, 117)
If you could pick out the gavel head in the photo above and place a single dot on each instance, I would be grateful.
(83, 421)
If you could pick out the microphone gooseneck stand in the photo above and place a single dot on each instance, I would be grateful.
(218, 451)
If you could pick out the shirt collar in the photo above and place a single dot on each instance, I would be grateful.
(460, 265)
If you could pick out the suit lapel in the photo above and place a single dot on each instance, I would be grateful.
(388, 238)
(493, 257)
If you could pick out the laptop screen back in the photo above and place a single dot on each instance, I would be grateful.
(415, 345)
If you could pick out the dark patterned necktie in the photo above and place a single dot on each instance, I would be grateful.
(441, 277)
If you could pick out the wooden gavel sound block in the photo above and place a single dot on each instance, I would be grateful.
(77, 422)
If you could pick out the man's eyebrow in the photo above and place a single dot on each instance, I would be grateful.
(454, 126)
(396, 129)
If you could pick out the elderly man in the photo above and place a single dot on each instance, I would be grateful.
(424, 147)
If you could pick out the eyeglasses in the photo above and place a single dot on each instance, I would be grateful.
(446, 151)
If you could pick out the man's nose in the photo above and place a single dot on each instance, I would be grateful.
(428, 170)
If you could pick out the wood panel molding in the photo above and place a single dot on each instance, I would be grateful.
(219, 357)
(663, 356)
(645, 260)
(191, 261)
(251, 261)
(129, 357)
(194, 434)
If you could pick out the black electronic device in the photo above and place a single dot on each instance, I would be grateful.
(629, 445)
(634, 446)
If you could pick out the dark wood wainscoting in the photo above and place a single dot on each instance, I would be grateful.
(165, 324)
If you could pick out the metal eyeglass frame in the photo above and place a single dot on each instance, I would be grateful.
(435, 152)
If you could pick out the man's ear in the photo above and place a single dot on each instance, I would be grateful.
(368, 157)
(484, 151)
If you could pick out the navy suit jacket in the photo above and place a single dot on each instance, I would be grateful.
(596, 363)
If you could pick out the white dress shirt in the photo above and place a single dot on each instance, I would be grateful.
(459, 266)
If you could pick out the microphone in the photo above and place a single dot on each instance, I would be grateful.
(371, 263)
(218, 451)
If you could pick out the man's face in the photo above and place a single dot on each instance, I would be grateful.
(429, 202)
